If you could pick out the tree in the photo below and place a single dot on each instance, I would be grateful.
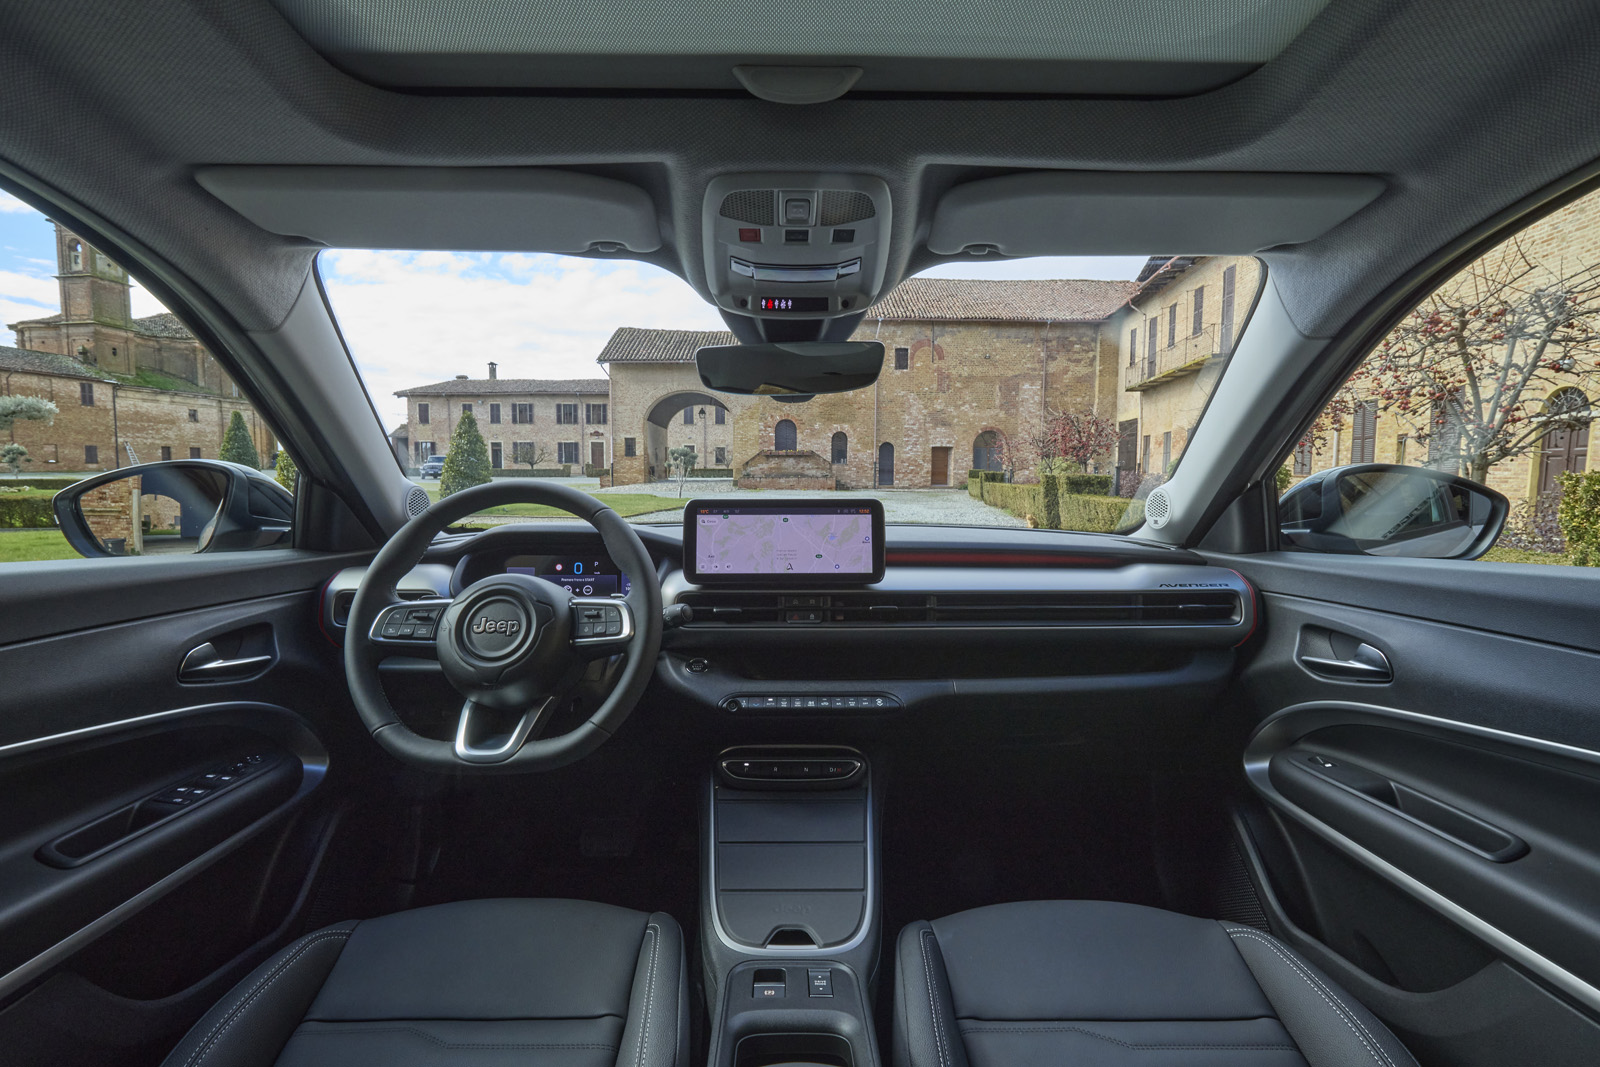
(236, 444)
(683, 459)
(1468, 372)
(1077, 438)
(467, 462)
(15, 409)
(285, 471)
(530, 452)
(13, 456)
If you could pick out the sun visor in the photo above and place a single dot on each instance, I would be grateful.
(479, 209)
(1095, 213)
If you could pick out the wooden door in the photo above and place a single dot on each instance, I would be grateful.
(597, 453)
(941, 466)
(1564, 450)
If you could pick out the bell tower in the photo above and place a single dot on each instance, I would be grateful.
(96, 304)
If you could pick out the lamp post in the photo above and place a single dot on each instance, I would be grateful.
(703, 439)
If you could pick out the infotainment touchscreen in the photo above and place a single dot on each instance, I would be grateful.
(783, 542)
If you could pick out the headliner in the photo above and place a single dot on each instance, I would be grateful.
(1461, 109)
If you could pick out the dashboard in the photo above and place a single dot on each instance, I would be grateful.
(994, 622)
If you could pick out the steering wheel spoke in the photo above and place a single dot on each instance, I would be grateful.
(492, 735)
(601, 626)
(408, 627)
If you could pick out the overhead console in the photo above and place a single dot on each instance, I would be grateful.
(795, 246)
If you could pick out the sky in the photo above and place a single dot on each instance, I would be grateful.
(412, 318)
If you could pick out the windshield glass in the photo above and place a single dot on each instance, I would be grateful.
(1048, 393)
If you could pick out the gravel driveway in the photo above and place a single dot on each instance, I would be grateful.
(950, 506)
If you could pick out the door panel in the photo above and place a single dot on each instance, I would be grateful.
(144, 807)
(1430, 836)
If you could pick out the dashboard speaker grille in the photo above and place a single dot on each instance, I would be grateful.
(1156, 508)
(416, 501)
(839, 206)
(756, 206)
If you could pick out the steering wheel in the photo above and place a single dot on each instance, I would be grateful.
(513, 645)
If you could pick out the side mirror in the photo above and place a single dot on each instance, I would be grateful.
(1384, 509)
(1381, 509)
(177, 507)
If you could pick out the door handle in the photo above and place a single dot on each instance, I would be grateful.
(206, 664)
(1365, 664)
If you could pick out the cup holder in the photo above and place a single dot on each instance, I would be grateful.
(793, 1050)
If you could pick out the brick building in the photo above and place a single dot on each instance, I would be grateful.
(96, 327)
(1174, 339)
(126, 390)
(971, 368)
(556, 423)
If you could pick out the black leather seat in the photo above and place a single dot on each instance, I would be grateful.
(1096, 983)
(558, 982)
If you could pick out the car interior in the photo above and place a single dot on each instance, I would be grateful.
(1247, 782)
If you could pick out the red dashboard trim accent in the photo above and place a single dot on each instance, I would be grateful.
(929, 557)
(1255, 607)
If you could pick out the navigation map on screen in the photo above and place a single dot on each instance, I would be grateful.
(794, 540)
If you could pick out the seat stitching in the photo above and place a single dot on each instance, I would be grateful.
(1334, 993)
(237, 1010)
(933, 1005)
(1117, 1041)
(650, 989)
(358, 1029)
(1378, 1054)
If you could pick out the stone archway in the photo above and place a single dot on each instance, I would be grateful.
(1565, 448)
(665, 428)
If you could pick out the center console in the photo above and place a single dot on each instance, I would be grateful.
(790, 912)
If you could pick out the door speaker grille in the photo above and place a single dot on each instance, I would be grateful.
(755, 206)
(839, 206)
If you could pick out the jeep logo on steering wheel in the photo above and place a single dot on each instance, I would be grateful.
(484, 625)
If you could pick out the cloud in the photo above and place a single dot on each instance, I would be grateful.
(10, 205)
(415, 318)
(1109, 268)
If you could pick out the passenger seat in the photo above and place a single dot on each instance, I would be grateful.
(1119, 985)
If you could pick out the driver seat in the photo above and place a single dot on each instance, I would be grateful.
(566, 983)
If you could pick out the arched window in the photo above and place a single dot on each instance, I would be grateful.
(886, 464)
(74, 256)
(841, 447)
(1565, 448)
(784, 437)
(986, 451)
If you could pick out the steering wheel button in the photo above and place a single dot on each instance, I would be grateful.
(391, 629)
(614, 628)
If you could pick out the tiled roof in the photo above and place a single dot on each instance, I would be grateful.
(633, 345)
(165, 324)
(30, 362)
(972, 300)
(403, 430)
(57, 317)
(500, 386)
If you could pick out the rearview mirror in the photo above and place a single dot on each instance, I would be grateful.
(796, 370)
(172, 508)
(1381, 509)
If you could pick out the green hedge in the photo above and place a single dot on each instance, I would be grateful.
(1086, 484)
(544, 472)
(1050, 498)
(1090, 513)
(1095, 514)
(1579, 513)
(24, 512)
(54, 483)
(975, 484)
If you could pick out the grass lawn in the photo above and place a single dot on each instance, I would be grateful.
(20, 546)
(1507, 554)
(623, 504)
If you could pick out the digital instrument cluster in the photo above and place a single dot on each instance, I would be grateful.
(593, 575)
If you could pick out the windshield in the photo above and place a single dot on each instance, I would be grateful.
(1047, 393)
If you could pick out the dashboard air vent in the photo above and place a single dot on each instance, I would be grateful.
(1198, 607)
(758, 207)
